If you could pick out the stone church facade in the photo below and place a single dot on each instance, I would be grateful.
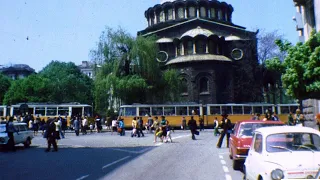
(213, 55)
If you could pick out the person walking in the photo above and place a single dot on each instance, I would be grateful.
(226, 130)
(216, 127)
(10, 131)
(193, 127)
(76, 126)
(50, 135)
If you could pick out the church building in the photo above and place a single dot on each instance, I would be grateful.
(216, 59)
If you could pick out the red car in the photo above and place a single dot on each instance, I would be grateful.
(240, 139)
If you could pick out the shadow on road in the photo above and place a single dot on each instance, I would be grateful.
(68, 163)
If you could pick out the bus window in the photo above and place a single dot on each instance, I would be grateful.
(237, 110)
(16, 111)
(143, 111)
(130, 111)
(169, 111)
(157, 111)
(284, 109)
(40, 111)
(63, 111)
(269, 108)
(51, 112)
(258, 109)
(293, 108)
(226, 109)
(215, 110)
(247, 110)
(1, 111)
(182, 111)
(193, 110)
(87, 111)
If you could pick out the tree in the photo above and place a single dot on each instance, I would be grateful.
(67, 83)
(33, 88)
(4, 86)
(301, 68)
(58, 82)
(130, 72)
(271, 80)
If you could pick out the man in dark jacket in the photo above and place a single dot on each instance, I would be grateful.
(226, 130)
(51, 135)
(10, 130)
(193, 127)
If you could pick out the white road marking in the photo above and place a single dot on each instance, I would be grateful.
(124, 150)
(83, 177)
(115, 162)
(228, 177)
(221, 157)
(223, 161)
(225, 169)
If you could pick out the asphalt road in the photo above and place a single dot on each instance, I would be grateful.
(106, 156)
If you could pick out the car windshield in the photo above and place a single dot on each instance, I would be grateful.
(293, 142)
(2, 128)
(247, 129)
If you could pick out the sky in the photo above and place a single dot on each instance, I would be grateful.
(35, 32)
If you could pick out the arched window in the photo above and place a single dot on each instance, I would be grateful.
(161, 16)
(189, 49)
(226, 16)
(200, 47)
(192, 12)
(213, 13)
(203, 12)
(219, 14)
(180, 49)
(218, 49)
(169, 15)
(180, 13)
(212, 47)
(184, 86)
(204, 85)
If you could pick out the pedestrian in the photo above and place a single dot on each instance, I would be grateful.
(216, 127)
(51, 135)
(121, 126)
(10, 131)
(114, 126)
(193, 127)
(201, 122)
(76, 126)
(183, 123)
(226, 130)
(140, 127)
(150, 122)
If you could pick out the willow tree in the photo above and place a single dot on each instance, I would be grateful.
(129, 71)
(300, 69)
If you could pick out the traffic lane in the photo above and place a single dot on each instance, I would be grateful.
(182, 160)
(104, 140)
(227, 166)
(67, 163)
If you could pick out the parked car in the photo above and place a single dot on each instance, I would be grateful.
(240, 139)
(23, 136)
(287, 152)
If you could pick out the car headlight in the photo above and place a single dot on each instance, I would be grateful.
(277, 174)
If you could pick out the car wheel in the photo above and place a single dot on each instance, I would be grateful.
(236, 165)
(27, 143)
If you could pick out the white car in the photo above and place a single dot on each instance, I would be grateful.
(284, 152)
(23, 135)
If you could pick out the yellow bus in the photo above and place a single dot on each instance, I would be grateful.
(175, 112)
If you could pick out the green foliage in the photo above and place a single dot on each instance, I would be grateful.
(33, 88)
(129, 71)
(301, 72)
(58, 82)
(4, 86)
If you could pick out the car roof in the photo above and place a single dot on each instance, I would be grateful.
(260, 122)
(285, 129)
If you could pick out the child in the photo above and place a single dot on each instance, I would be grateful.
(168, 133)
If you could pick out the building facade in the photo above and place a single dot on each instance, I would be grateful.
(87, 68)
(17, 71)
(217, 59)
(308, 18)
